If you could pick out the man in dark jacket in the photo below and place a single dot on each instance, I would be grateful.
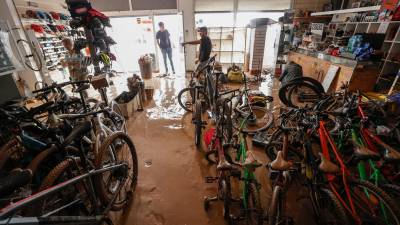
(292, 71)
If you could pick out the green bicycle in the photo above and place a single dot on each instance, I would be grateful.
(251, 210)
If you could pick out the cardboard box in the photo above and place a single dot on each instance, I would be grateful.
(128, 109)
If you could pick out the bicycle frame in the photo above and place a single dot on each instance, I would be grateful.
(7, 212)
(248, 175)
(370, 139)
(326, 144)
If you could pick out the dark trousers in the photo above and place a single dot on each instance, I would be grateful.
(167, 52)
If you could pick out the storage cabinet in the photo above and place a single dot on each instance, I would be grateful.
(229, 43)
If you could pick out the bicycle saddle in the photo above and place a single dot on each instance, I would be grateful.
(280, 163)
(224, 165)
(363, 153)
(327, 166)
(251, 162)
(82, 88)
(391, 154)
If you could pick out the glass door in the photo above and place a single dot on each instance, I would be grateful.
(134, 37)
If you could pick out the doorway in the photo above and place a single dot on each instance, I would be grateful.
(135, 37)
(174, 25)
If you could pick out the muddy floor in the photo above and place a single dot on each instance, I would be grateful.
(171, 183)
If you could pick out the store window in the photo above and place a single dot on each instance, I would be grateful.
(243, 18)
(214, 19)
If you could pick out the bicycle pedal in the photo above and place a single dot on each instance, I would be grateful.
(209, 180)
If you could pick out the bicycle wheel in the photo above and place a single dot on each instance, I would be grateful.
(258, 118)
(329, 209)
(372, 204)
(12, 149)
(63, 199)
(198, 123)
(302, 94)
(225, 194)
(117, 148)
(227, 124)
(185, 99)
(255, 212)
(276, 207)
(392, 190)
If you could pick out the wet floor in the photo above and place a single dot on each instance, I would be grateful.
(171, 186)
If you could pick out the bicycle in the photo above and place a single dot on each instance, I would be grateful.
(251, 211)
(290, 163)
(60, 214)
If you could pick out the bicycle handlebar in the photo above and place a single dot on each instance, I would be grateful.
(60, 85)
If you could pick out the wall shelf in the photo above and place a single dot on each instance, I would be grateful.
(353, 10)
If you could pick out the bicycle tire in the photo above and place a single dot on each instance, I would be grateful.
(380, 195)
(256, 217)
(327, 198)
(311, 81)
(226, 196)
(266, 119)
(7, 151)
(282, 91)
(275, 211)
(392, 190)
(37, 161)
(54, 174)
(198, 123)
(53, 178)
(296, 85)
(35, 55)
(189, 89)
(228, 124)
(102, 190)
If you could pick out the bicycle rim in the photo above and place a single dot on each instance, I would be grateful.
(254, 216)
(302, 94)
(262, 119)
(198, 123)
(120, 146)
(330, 210)
(372, 204)
(275, 211)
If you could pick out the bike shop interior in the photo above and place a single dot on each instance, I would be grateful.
(167, 112)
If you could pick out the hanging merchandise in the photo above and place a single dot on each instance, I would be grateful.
(55, 15)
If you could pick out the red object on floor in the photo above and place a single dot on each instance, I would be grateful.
(208, 136)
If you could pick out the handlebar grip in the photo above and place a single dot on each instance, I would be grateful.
(48, 88)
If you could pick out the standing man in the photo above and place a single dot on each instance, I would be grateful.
(164, 43)
(205, 47)
(76, 62)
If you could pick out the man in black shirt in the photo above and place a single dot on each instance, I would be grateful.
(205, 47)
(164, 43)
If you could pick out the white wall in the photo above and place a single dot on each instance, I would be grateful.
(9, 13)
(187, 8)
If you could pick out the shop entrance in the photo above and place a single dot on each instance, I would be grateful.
(135, 37)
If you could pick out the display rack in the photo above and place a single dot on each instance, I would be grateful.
(229, 43)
